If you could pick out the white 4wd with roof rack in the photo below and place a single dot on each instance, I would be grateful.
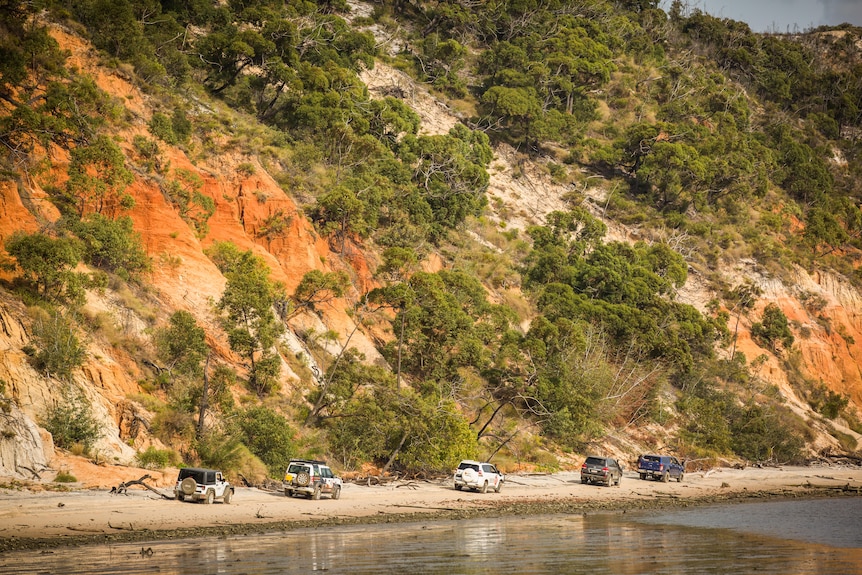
(311, 478)
(478, 476)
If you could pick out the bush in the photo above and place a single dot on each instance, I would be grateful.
(220, 451)
(59, 349)
(65, 477)
(154, 458)
(162, 128)
(112, 245)
(71, 422)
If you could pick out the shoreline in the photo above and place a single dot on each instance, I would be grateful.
(50, 519)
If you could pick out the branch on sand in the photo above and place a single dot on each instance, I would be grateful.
(123, 487)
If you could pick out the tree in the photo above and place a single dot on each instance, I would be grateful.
(182, 344)
(340, 213)
(98, 178)
(402, 428)
(773, 329)
(112, 245)
(269, 436)
(47, 263)
(316, 288)
(251, 325)
(512, 109)
(450, 170)
(340, 384)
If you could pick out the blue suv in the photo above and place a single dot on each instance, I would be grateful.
(660, 467)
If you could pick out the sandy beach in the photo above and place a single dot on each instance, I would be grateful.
(35, 518)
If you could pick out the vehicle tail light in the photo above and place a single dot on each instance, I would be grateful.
(480, 473)
(605, 469)
(584, 466)
(661, 466)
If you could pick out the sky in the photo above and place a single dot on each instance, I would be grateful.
(781, 15)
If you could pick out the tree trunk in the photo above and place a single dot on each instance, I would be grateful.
(395, 453)
(203, 409)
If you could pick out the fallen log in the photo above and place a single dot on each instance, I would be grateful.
(123, 487)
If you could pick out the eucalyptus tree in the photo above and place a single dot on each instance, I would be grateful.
(252, 327)
(48, 263)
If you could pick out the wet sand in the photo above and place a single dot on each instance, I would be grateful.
(35, 519)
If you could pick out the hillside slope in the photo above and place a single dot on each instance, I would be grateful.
(247, 198)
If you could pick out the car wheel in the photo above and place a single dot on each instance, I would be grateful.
(484, 488)
(642, 475)
(583, 481)
(665, 477)
(336, 492)
(619, 480)
(288, 492)
(180, 497)
(681, 475)
(228, 495)
(188, 486)
(458, 488)
(316, 493)
(210, 497)
(499, 487)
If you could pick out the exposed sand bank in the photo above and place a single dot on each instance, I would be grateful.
(32, 519)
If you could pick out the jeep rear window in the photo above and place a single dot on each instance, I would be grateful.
(652, 458)
(297, 467)
(194, 473)
(595, 461)
(468, 466)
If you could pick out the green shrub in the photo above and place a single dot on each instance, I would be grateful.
(112, 245)
(162, 128)
(773, 329)
(221, 451)
(826, 402)
(65, 477)
(58, 350)
(71, 422)
(148, 151)
(154, 458)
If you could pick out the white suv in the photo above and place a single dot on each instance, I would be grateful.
(478, 476)
(310, 478)
(205, 485)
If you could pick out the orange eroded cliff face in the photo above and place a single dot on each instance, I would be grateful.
(251, 210)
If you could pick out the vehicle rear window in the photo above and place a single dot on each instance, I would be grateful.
(595, 461)
(652, 458)
(194, 473)
(296, 468)
(468, 466)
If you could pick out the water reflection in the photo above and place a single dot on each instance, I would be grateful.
(622, 544)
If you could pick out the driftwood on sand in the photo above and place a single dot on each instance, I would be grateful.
(123, 487)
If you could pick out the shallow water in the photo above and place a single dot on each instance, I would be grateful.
(777, 537)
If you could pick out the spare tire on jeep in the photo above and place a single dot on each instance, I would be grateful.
(188, 486)
(303, 478)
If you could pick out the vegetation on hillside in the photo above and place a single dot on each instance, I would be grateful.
(717, 141)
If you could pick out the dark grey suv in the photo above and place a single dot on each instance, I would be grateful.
(601, 470)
